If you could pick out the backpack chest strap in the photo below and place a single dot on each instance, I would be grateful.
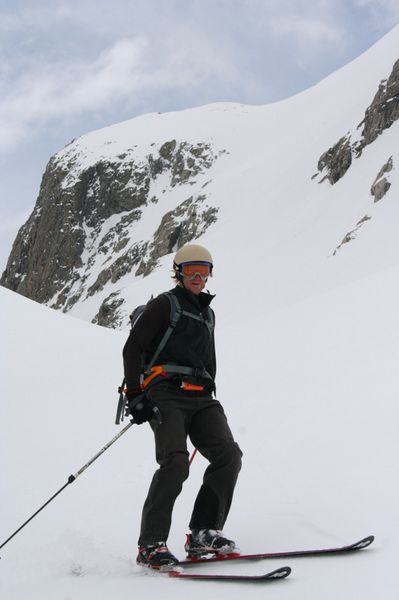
(201, 318)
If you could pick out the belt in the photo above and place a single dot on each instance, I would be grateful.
(193, 371)
(165, 370)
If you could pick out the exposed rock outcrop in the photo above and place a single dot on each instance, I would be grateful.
(382, 112)
(185, 223)
(381, 183)
(109, 315)
(92, 224)
(336, 161)
(351, 235)
(379, 116)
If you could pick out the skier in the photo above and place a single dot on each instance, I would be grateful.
(181, 386)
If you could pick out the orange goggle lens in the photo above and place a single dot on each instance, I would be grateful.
(191, 269)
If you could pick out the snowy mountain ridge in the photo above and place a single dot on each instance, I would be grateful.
(115, 203)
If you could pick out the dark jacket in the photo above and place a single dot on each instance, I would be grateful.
(191, 343)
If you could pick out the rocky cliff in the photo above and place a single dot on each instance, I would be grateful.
(379, 116)
(336, 161)
(93, 224)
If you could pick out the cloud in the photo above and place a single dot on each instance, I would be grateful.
(65, 60)
(39, 91)
(45, 91)
(384, 13)
(116, 73)
(306, 31)
(28, 17)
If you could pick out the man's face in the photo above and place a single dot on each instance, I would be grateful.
(195, 285)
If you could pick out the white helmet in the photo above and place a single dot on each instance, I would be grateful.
(192, 253)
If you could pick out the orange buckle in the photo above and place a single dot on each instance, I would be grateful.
(190, 387)
(155, 372)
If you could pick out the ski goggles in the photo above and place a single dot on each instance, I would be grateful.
(191, 270)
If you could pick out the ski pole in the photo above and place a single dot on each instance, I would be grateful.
(190, 461)
(71, 479)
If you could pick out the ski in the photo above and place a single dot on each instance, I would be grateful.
(275, 575)
(364, 543)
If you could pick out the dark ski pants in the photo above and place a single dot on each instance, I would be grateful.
(202, 419)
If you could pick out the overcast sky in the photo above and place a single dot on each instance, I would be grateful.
(68, 67)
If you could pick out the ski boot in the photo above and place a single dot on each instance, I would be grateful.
(156, 556)
(201, 542)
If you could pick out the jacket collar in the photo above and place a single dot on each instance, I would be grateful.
(200, 302)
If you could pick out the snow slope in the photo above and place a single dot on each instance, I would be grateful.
(315, 412)
(307, 374)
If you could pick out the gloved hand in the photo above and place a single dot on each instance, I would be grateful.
(141, 408)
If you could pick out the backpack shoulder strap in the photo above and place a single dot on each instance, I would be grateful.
(175, 308)
(175, 314)
(211, 318)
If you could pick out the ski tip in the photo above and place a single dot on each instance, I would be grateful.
(364, 543)
(280, 573)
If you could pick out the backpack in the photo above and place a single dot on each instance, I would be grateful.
(175, 313)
